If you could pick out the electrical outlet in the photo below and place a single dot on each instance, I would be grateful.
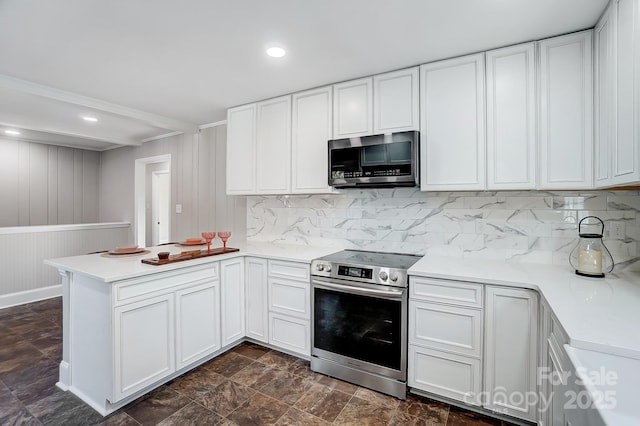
(616, 231)
(178, 208)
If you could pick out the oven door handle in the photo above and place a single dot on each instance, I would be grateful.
(389, 294)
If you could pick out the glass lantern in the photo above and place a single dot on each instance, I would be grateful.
(590, 257)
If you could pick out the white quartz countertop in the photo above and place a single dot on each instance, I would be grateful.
(121, 267)
(597, 314)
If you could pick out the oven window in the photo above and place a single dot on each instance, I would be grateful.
(359, 327)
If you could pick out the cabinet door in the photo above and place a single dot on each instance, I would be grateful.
(511, 118)
(232, 300)
(290, 297)
(197, 322)
(289, 333)
(452, 142)
(445, 374)
(353, 108)
(511, 334)
(566, 112)
(605, 95)
(274, 146)
(626, 147)
(395, 101)
(144, 349)
(257, 314)
(241, 150)
(311, 129)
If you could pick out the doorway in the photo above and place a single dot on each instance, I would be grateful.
(152, 200)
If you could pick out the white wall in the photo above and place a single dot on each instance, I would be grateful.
(47, 185)
(197, 182)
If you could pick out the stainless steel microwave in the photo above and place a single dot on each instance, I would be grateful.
(375, 161)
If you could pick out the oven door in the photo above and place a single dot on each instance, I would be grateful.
(360, 325)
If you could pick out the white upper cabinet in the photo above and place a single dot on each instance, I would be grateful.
(353, 108)
(241, 146)
(395, 101)
(273, 142)
(511, 118)
(605, 90)
(625, 152)
(452, 142)
(566, 112)
(259, 148)
(311, 129)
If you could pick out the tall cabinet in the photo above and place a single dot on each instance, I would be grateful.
(511, 117)
(452, 141)
(566, 116)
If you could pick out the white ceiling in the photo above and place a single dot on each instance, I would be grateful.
(150, 67)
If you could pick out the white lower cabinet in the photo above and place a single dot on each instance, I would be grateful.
(144, 344)
(197, 322)
(510, 362)
(232, 297)
(289, 306)
(478, 350)
(256, 304)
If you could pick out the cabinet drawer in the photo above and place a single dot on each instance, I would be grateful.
(452, 376)
(445, 291)
(289, 297)
(292, 270)
(292, 334)
(449, 328)
(130, 290)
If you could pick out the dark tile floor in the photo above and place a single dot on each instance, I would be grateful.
(249, 385)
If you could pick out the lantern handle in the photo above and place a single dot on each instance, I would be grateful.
(594, 217)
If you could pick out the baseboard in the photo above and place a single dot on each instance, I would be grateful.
(22, 297)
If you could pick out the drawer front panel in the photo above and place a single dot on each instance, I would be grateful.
(448, 328)
(290, 333)
(291, 270)
(289, 297)
(444, 374)
(445, 291)
(129, 290)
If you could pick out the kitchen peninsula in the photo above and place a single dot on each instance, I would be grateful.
(128, 327)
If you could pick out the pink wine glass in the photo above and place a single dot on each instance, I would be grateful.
(208, 236)
(224, 236)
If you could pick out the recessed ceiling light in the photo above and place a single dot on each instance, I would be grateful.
(90, 119)
(276, 52)
(12, 132)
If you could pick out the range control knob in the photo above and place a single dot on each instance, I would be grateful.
(328, 268)
(320, 267)
(393, 277)
(383, 275)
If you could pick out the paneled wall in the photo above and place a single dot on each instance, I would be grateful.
(47, 185)
(25, 277)
(197, 183)
(532, 226)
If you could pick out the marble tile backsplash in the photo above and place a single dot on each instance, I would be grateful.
(535, 226)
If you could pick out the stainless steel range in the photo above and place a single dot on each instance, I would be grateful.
(359, 318)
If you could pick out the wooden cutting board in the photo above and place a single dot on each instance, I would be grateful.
(188, 255)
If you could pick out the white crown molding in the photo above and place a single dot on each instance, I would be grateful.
(166, 135)
(12, 83)
(216, 124)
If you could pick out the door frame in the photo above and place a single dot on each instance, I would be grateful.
(140, 211)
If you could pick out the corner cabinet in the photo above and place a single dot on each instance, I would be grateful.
(566, 112)
(511, 117)
(311, 129)
(511, 345)
(452, 140)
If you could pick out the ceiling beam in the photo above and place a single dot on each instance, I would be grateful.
(24, 86)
